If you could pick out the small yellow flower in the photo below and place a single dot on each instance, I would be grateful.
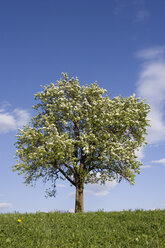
(19, 220)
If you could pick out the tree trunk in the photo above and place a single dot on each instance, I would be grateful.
(79, 203)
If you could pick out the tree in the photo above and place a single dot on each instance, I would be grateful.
(77, 133)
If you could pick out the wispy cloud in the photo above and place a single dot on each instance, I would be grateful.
(140, 153)
(138, 2)
(145, 166)
(97, 189)
(100, 190)
(119, 7)
(5, 206)
(160, 161)
(151, 85)
(61, 185)
(151, 53)
(11, 120)
(142, 15)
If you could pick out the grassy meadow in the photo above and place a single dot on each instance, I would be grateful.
(125, 229)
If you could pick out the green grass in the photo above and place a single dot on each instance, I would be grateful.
(125, 229)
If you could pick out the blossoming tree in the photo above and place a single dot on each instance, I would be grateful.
(77, 133)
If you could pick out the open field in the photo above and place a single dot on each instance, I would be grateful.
(125, 229)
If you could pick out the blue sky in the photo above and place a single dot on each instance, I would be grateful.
(119, 44)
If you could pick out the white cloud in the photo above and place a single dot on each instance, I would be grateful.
(151, 85)
(151, 53)
(21, 117)
(145, 166)
(4, 206)
(61, 185)
(100, 190)
(4, 106)
(140, 153)
(97, 189)
(161, 161)
(11, 120)
(7, 123)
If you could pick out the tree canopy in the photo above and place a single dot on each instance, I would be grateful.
(78, 134)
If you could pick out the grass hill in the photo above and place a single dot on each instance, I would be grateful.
(125, 229)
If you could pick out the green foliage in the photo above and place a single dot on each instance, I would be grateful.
(81, 135)
(124, 229)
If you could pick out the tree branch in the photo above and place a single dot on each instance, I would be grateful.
(64, 174)
(69, 167)
(67, 177)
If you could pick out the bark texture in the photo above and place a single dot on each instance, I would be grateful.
(79, 204)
